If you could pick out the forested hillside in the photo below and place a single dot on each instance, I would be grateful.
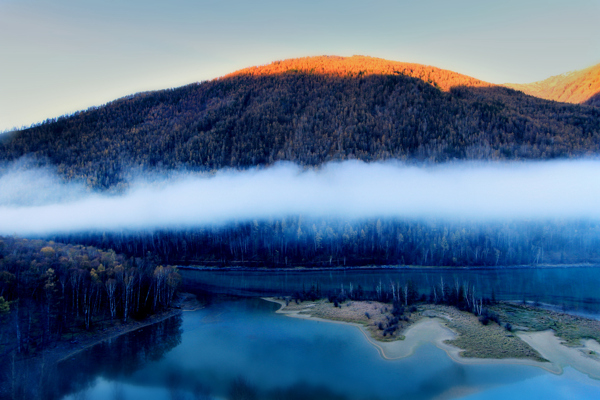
(56, 299)
(578, 87)
(48, 290)
(309, 111)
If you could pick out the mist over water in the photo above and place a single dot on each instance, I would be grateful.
(34, 201)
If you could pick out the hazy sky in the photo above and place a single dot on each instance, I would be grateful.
(60, 56)
(349, 190)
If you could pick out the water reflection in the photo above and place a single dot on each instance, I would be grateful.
(113, 360)
(569, 288)
(243, 350)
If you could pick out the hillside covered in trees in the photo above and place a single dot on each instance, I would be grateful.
(311, 111)
(577, 87)
(50, 291)
(308, 111)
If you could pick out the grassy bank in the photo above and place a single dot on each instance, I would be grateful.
(481, 341)
(571, 329)
(490, 341)
(369, 314)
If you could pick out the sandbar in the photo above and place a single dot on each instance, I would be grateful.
(434, 326)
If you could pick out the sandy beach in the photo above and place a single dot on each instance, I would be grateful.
(583, 358)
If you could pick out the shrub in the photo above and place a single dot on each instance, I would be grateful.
(398, 310)
(390, 330)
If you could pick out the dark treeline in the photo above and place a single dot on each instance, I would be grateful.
(296, 241)
(51, 291)
(463, 295)
(309, 118)
(403, 296)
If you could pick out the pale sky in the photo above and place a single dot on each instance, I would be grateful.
(60, 56)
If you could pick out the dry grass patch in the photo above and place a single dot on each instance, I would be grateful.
(572, 329)
(475, 339)
(482, 341)
(369, 314)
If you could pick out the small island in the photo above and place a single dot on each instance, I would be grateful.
(504, 332)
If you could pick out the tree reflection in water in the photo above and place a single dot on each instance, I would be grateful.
(112, 359)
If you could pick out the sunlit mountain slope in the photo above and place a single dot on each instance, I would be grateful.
(577, 87)
(308, 111)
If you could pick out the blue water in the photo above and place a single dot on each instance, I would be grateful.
(243, 350)
(570, 385)
(568, 288)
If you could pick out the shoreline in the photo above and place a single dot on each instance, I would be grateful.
(434, 328)
(65, 350)
(115, 332)
(380, 267)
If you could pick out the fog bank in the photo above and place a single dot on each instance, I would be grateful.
(33, 201)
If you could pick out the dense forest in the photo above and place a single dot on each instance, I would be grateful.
(49, 291)
(297, 241)
(309, 111)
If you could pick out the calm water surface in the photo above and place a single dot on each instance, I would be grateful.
(243, 350)
(570, 288)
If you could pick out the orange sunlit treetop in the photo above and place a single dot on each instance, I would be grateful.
(362, 66)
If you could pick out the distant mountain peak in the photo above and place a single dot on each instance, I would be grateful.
(576, 87)
(357, 66)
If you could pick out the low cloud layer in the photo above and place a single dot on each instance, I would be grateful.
(34, 202)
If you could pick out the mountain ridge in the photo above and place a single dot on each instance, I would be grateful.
(287, 111)
(359, 66)
(576, 87)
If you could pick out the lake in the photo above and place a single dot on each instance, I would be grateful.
(239, 348)
(242, 349)
(569, 288)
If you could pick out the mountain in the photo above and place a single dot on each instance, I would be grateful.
(362, 66)
(309, 111)
(578, 87)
